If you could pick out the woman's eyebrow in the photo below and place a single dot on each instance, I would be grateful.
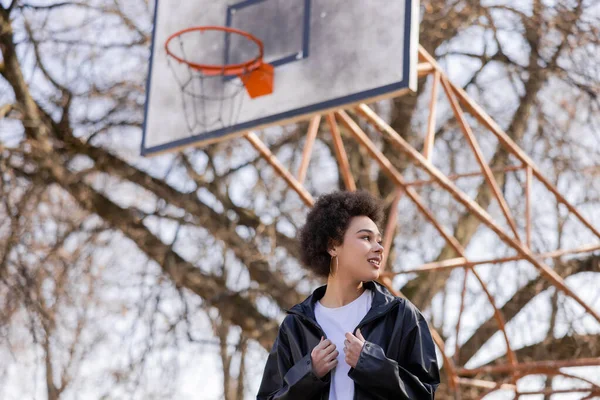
(368, 230)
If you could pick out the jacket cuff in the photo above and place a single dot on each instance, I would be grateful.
(373, 366)
(302, 377)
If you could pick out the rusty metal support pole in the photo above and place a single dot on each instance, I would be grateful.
(430, 136)
(454, 177)
(532, 367)
(340, 153)
(279, 168)
(390, 228)
(485, 168)
(528, 178)
(398, 179)
(471, 205)
(486, 384)
(311, 134)
(460, 313)
(475, 110)
(424, 69)
(561, 391)
(509, 144)
(459, 262)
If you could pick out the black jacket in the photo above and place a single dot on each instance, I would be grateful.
(398, 359)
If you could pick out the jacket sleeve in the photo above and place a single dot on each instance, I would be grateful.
(284, 379)
(414, 374)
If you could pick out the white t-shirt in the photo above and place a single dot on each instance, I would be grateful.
(336, 322)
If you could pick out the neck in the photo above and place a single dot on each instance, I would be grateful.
(341, 291)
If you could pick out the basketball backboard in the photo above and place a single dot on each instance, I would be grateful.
(326, 54)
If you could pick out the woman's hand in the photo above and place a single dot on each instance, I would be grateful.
(324, 357)
(352, 347)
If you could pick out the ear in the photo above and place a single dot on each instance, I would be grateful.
(332, 248)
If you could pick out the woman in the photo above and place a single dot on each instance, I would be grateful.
(350, 339)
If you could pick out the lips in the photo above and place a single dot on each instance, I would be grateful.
(375, 261)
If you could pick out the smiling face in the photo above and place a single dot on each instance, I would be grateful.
(360, 254)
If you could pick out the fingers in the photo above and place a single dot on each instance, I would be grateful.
(324, 357)
(323, 349)
(359, 335)
(327, 346)
(331, 359)
(327, 353)
(329, 366)
(328, 349)
(323, 343)
(350, 338)
(317, 349)
(331, 356)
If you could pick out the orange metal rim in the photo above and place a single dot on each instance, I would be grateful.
(216, 69)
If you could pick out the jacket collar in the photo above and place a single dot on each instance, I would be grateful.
(383, 301)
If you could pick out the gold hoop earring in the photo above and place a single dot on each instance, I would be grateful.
(332, 270)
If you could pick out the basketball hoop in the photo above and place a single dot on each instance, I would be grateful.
(212, 91)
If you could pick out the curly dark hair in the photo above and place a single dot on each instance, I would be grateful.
(327, 223)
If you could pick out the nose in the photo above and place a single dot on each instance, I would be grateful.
(378, 248)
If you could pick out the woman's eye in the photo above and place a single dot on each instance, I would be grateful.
(366, 237)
